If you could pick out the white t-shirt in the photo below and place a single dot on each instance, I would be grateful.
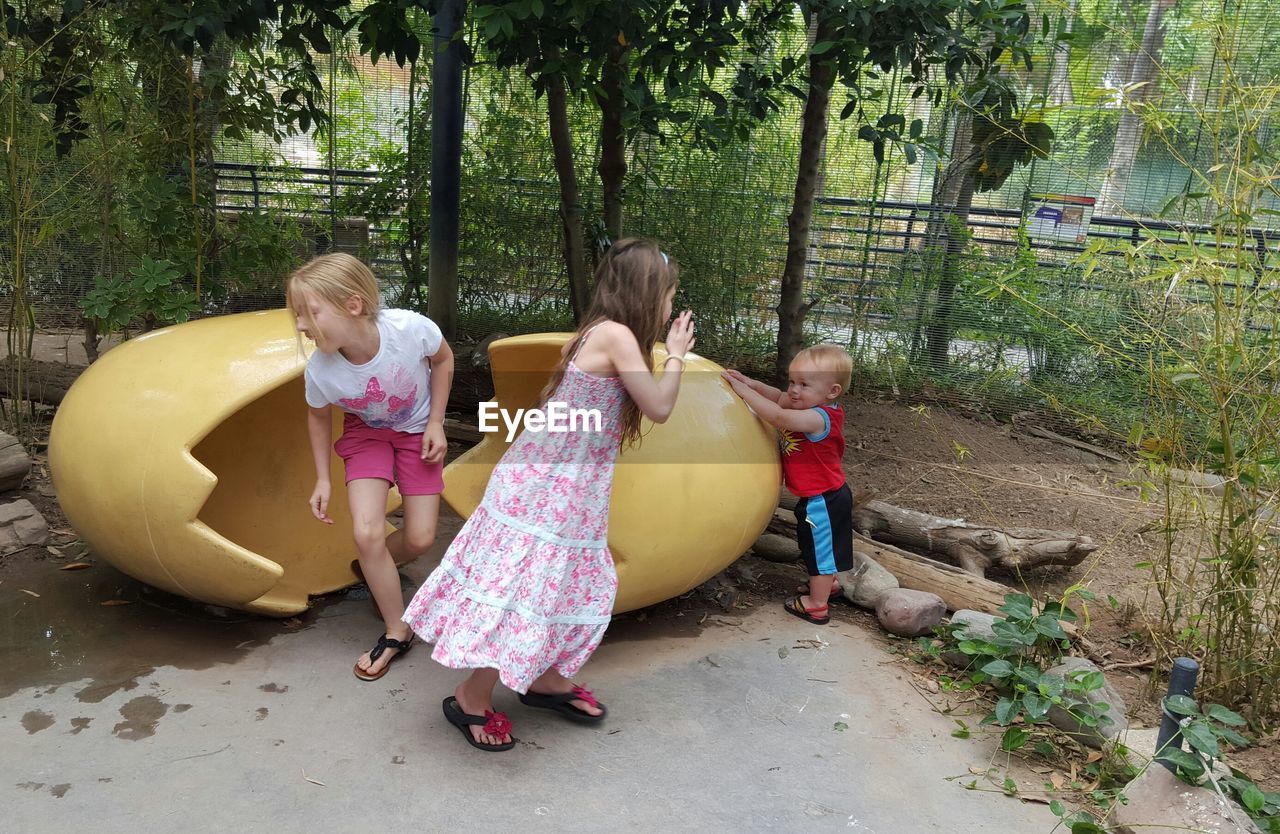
(390, 391)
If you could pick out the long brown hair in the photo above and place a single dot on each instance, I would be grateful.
(631, 285)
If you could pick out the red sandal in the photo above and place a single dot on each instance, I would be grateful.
(817, 616)
(837, 592)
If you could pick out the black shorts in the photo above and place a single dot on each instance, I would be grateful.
(824, 526)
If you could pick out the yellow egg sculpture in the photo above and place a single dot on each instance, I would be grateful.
(182, 458)
(687, 502)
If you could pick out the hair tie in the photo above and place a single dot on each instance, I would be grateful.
(665, 260)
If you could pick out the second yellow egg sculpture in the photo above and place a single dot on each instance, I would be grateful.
(687, 501)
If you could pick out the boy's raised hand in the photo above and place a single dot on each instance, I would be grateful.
(680, 337)
(736, 380)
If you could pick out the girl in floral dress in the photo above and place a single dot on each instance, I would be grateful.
(525, 591)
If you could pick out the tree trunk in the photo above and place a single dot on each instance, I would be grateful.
(811, 270)
(1060, 91)
(958, 589)
(89, 327)
(946, 193)
(1144, 71)
(955, 233)
(792, 307)
(613, 142)
(570, 204)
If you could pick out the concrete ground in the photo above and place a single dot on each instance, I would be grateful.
(159, 715)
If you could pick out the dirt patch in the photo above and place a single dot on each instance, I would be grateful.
(983, 470)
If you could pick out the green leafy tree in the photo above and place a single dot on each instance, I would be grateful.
(998, 138)
(854, 44)
(646, 66)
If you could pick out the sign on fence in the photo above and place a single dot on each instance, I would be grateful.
(1059, 217)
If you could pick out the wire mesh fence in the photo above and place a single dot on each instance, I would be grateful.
(1038, 318)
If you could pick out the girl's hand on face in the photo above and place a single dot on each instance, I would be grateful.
(320, 501)
(434, 444)
(680, 339)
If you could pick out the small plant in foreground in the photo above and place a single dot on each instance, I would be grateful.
(1013, 662)
(1204, 732)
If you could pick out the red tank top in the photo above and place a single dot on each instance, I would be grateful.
(814, 463)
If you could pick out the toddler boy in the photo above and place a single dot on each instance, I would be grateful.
(812, 424)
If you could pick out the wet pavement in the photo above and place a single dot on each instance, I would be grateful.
(122, 708)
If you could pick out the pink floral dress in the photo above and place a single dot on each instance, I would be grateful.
(528, 583)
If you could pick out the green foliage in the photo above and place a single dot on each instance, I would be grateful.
(1206, 731)
(1003, 138)
(151, 290)
(1078, 822)
(958, 41)
(278, 88)
(1028, 640)
(671, 52)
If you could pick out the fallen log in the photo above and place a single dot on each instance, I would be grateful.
(958, 588)
(974, 547)
(1046, 434)
(14, 463)
(461, 432)
(43, 382)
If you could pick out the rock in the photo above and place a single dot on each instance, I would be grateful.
(1199, 480)
(1139, 744)
(721, 590)
(776, 548)
(14, 463)
(1159, 803)
(977, 626)
(742, 572)
(909, 613)
(21, 525)
(480, 356)
(866, 582)
(1111, 723)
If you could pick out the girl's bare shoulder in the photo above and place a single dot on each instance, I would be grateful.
(614, 332)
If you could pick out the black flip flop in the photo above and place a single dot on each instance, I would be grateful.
(493, 723)
(561, 703)
(384, 642)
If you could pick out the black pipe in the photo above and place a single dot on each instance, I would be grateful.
(1182, 681)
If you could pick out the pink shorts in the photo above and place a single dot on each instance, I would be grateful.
(393, 456)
